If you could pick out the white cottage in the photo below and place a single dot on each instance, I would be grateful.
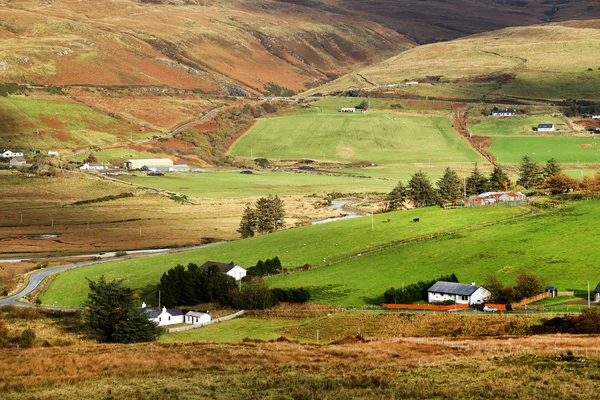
(230, 269)
(93, 167)
(546, 128)
(197, 318)
(596, 116)
(348, 110)
(460, 293)
(502, 113)
(6, 153)
(164, 317)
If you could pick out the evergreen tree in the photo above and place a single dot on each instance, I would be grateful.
(269, 214)
(248, 223)
(396, 198)
(552, 168)
(499, 181)
(476, 182)
(259, 268)
(110, 309)
(530, 175)
(420, 190)
(449, 186)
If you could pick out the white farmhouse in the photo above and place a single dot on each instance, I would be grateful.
(502, 113)
(460, 293)
(93, 167)
(164, 317)
(197, 318)
(6, 153)
(546, 128)
(348, 110)
(230, 269)
(596, 116)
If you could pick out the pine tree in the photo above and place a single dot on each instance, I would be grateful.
(396, 198)
(476, 182)
(499, 181)
(552, 168)
(136, 327)
(269, 214)
(420, 190)
(449, 186)
(248, 223)
(530, 175)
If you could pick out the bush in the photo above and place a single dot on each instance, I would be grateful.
(27, 338)
(292, 295)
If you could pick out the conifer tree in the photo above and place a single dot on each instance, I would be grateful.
(420, 190)
(530, 176)
(552, 168)
(499, 181)
(248, 223)
(396, 198)
(476, 182)
(449, 186)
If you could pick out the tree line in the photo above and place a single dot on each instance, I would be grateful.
(414, 292)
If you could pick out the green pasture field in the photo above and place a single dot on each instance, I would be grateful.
(559, 245)
(295, 247)
(61, 125)
(511, 126)
(235, 330)
(387, 139)
(234, 184)
(568, 149)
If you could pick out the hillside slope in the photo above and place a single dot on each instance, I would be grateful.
(237, 45)
(553, 61)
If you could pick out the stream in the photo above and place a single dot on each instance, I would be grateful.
(339, 205)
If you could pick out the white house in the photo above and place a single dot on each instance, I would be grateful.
(348, 109)
(230, 269)
(412, 83)
(164, 317)
(460, 293)
(53, 153)
(596, 116)
(93, 167)
(197, 318)
(546, 128)
(6, 153)
(17, 162)
(502, 113)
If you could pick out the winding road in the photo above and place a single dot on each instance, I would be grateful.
(36, 278)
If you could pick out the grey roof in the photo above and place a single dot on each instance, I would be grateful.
(597, 290)
(152, 313)
(195, 314)
(174, 311)
(453, 288)
(223, 267)
(501, 111)
(545, 125)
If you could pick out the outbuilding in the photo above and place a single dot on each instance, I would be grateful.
(502, 113)
(348, 109)
(17, 162)
(546, 128)
(197, 318)
(230, 269)
(597, 293)
(460, 293)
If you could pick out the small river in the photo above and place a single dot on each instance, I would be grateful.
(339, 205)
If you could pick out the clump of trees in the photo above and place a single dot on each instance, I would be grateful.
(527, 285)
(270, 266)
(111, 315)
(257, 295)
(187, 287)
(267, 216)
(414, 291)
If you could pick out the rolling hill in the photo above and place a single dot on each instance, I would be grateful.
(553, 61)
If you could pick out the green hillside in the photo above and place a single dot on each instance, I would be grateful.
(549, 61)
(295, 247)
(560, 246)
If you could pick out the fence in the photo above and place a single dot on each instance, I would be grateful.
(427, 307)
(528, 300)
(558, 349)
(566, 293)
(214, 321)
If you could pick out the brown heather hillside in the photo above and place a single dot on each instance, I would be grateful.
(208, 45)
(428, 21)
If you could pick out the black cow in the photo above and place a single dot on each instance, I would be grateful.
(415, 219)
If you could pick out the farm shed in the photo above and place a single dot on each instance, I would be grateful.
(230, 269)
(348, 109)
(148, 163)
(195, 318)
(17, 162)
(546, 128)
(460, 293)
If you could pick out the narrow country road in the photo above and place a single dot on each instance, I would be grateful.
(36, 278)
(194, 122)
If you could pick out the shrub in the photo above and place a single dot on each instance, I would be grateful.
(27, 338)
(292, 295)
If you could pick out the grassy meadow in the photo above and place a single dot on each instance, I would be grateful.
(387, 139)
(511, 126)
(295, 247)
(558, 245)
(567, 150)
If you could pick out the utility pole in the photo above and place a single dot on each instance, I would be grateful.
(589, 305)
(465, 186)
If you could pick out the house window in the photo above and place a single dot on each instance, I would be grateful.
(158, 319)
(464, 298)
(169, 317)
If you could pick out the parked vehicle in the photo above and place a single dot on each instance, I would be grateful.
(489, 309)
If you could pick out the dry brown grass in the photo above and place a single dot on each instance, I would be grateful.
(370, 370)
